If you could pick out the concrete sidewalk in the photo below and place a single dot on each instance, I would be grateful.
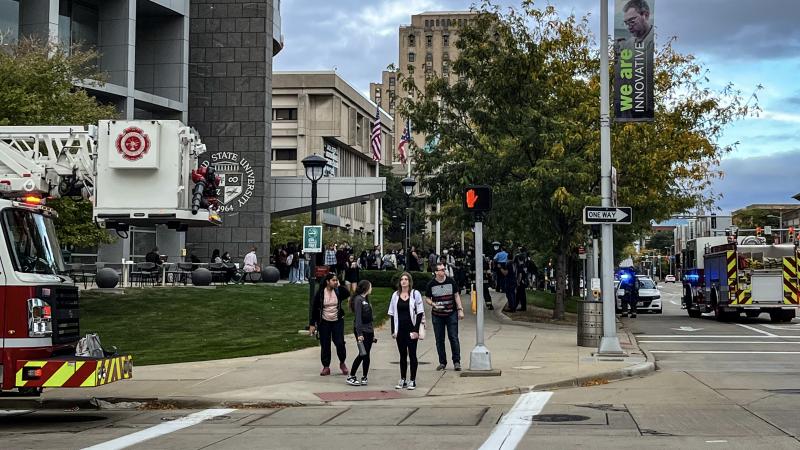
(530, 356)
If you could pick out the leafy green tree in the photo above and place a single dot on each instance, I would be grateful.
(520, 113)
(660, 240)
(38, 87)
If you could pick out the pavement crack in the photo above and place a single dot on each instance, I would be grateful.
(638, 428)
(529, 348)
(244, 430)
(768, 422)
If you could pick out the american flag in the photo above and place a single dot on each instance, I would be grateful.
(402, 154)
(375, 139)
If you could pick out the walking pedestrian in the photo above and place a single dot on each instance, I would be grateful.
(327, 316)
(408, 317)
(445, 301)
(365, 333)
(351, 273)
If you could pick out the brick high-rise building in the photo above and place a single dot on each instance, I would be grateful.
(429, 45)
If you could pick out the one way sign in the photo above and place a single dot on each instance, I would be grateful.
(593, 215)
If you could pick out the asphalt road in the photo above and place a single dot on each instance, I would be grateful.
(719, 385)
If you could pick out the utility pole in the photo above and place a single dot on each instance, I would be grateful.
(609, 344)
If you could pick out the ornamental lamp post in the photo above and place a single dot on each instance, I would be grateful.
(315, 169)
(408, 184)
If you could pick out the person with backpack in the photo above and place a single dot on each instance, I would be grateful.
(327, 316)
(389, 261)
(351, 275)
(407, 314)
(365, 333)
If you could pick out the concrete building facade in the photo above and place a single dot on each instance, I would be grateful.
(319, 112)
(207, 63)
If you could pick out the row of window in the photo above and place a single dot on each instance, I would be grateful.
(445, 22)
(412, 40)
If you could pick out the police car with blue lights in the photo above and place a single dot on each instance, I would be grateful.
(649, 294)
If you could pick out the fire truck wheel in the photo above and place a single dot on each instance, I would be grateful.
(694, 313)
(752, 314)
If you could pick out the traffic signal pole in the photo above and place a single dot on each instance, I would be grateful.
(609, 344)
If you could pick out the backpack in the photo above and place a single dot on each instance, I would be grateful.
(387, 262)
(290, 259)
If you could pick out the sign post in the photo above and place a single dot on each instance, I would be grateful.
(478, 199)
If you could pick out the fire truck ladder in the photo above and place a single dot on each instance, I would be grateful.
(51, 160)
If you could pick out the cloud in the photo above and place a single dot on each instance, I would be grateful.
(762, 179)
(793, 100)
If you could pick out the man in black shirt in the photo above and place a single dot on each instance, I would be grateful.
(442, 294)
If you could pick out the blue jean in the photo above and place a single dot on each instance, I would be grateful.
(294, 275)
(451, 323)
(302, 270)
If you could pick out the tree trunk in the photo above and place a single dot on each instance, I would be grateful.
(561, 272)
(574, 276)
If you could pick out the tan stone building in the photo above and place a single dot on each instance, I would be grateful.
(428, 45)
(319, 112)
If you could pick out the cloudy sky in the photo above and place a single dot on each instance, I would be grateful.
(746, 42)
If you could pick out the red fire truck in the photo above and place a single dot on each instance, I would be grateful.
(39, 306)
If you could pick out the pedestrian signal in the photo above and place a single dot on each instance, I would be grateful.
(758, 231)
(791, 233)
(478, 198)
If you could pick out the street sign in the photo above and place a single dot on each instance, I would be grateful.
(312, 239)
(601, 214)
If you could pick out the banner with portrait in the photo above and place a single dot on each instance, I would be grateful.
(634, 49)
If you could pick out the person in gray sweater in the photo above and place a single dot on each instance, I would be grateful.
(364, 332)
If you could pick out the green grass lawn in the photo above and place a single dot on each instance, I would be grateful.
(547, 300)
(168, 325)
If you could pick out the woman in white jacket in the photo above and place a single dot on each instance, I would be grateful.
(408, 315)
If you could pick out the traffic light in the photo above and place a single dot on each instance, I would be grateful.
(478, 198)
(758, 231)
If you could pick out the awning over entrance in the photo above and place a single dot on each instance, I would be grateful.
(292, 195)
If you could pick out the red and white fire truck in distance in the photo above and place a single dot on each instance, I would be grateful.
(734, 275)
(136, 173)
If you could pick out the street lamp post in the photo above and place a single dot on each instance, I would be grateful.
(315, 168)
(408, 184)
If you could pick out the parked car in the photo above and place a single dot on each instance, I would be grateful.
(649, 296)
(669, 279)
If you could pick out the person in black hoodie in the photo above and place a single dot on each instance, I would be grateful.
(362, 327)
(327, 316)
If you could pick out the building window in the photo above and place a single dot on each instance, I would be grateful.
(9, 19)
(377, 92)
(427, 23)
(412, 40)
(331, 153)
(142, 241)
(429, 57)
(284, 114)
(429, 40)
(410, 56)
(459, 22)
(391, 81)
(284, 154)
(437, 22)
(359, 128)
(446, 40)
(445, 56)
(78, 23)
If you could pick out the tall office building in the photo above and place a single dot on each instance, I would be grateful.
(204, 62)
(428, 45)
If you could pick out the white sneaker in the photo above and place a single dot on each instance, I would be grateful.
(411, 385)
(364, 381)
(353, 381)
(401, 384)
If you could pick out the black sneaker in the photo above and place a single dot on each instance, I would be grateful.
(364, 381)
(457, 367)
(353, 381)
(440, 367)
(411, 385)
(401, 384)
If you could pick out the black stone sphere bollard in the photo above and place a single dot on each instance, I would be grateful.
(106, 278)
